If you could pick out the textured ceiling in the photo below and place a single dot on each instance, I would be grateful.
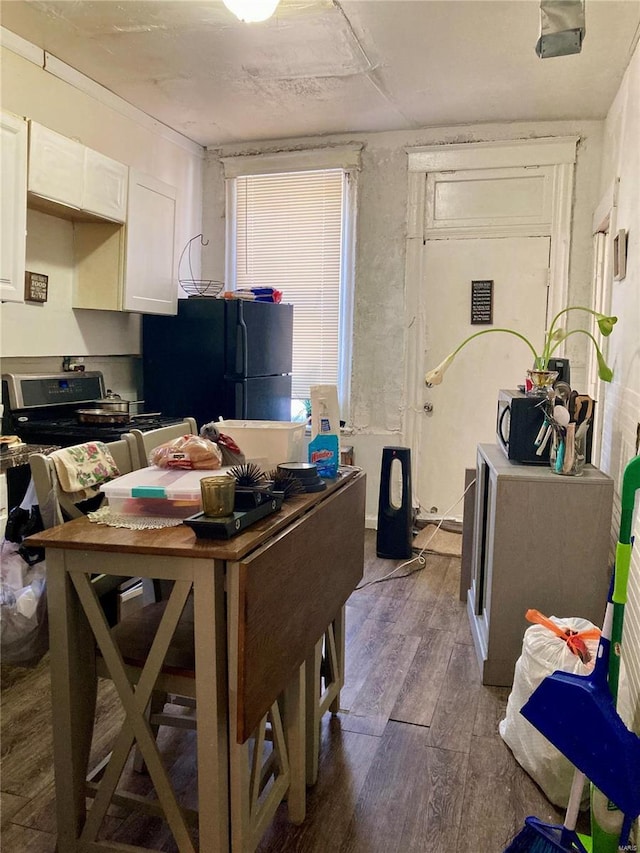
(320, 67)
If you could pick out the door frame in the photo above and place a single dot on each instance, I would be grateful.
(604, 229)
(558, 152)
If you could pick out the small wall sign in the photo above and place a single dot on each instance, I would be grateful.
(482, 303)
(36, 287)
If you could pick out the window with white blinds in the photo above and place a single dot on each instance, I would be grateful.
(289, 235)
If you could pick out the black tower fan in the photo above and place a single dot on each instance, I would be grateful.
(394, 538)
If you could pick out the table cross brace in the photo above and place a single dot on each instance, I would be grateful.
(136, 726)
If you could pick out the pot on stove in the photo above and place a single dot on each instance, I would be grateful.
(105, 416)
(113, 402)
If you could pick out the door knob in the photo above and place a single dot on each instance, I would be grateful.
(428, 408)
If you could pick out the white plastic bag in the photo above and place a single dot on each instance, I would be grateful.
(542, 654)
(24, 628)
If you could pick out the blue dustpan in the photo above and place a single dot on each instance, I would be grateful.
(577, 714)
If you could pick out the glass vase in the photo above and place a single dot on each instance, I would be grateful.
(540, 381)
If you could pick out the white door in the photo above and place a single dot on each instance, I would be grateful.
(464, 405)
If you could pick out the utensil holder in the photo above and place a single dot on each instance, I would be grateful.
(568, 452)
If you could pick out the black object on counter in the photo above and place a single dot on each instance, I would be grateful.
(306, 473)
(230, 525)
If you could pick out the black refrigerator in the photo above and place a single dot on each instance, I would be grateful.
(228, 358)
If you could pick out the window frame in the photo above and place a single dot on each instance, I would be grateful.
(345, 157)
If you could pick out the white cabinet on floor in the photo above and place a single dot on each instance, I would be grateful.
(13, 214)
(68, 179)
(130, 268)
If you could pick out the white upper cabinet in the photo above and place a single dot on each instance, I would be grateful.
(74, 180)
(56, 166)
(105, 186)
(150, 275)
(13, 214)
(124, 224)
(130, 267)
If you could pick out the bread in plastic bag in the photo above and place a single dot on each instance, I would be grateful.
(542, 654)
(187, 451)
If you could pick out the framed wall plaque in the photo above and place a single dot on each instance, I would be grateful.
(36, 287)
(482, 303)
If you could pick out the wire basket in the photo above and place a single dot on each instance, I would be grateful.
(196, 286)
(201, 287)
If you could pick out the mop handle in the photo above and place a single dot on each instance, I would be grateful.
(630, 486)
(601, 668)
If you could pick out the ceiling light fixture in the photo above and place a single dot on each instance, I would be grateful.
(252, 11)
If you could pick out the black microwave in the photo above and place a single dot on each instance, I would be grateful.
(518, 422)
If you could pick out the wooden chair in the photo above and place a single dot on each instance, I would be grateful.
(140, 446)
(145, 442)
(56, 507)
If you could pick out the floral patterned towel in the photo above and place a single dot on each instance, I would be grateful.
(83, 467)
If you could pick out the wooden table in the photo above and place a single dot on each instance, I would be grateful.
(262, 600)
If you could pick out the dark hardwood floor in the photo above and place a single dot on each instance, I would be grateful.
(413, 763)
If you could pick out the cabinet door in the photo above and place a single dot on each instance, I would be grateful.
(56, 166)
(13, 214)
(150, 284)
(105, 186)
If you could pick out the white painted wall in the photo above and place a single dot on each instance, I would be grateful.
(378, 396)
(621, 161)
(118, 131)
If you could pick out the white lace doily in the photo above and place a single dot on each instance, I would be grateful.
(105, 515)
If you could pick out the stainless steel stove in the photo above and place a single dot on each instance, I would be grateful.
(41, 409)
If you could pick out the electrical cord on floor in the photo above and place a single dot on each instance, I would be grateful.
(419, 558)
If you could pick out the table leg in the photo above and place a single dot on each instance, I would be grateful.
(212, 705)
(312, 712)
(326, 664)
(73, 699)
(294, 715)
(339, 651)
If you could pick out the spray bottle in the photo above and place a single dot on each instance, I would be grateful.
(324, 449)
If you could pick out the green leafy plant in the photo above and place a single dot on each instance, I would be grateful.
(554, 336)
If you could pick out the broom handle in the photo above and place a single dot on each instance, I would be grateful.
(575, 798)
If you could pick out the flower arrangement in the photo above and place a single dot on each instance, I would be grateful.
(552, 340)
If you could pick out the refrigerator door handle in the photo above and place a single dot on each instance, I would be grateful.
(241, 400)
(242, 345)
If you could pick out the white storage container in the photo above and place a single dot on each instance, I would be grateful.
(268, 443)
(160, 492)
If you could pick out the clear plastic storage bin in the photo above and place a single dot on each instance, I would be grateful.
(158, 492)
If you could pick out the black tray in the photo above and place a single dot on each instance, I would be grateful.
(230, 525)
(248, 497)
